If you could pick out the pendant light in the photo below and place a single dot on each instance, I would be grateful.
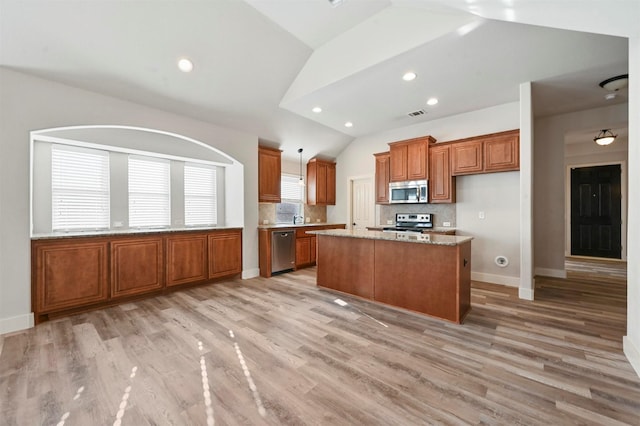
(605, 137)
(301, 181)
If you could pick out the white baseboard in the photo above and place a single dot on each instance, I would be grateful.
(553, 273)
(250, 273)
(632, 352)
(525, 293)
(21, 322)
(495, 279)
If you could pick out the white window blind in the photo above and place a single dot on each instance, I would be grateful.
(290, 189)
(149, 192)
(79, 188)
(200, 199)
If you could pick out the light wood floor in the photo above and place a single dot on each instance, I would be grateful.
(280, 352)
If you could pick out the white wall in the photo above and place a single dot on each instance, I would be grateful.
(357, 160)
(549, 177)
(632, 339)
(28, 103)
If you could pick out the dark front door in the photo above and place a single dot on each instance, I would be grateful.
(595, 211)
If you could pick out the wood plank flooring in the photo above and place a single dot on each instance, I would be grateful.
(279, 351)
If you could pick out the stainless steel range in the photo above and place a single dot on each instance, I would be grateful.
(411, 222)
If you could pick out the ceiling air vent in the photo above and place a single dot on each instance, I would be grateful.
(416, 113)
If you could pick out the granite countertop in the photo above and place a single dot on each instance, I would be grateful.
(437, 239)
(109, 232)
(297, 225)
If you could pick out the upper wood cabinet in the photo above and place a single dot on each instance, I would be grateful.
(383, 161)
(466, 157)
(269, 171)
(409, 159)
(321, 182)
(502, 152)
(442, 185)
(495, 152)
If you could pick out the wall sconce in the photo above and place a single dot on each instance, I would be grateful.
(605, 137)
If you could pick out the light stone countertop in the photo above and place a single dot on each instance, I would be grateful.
(437, 239)
(297, 225)
(135, 231)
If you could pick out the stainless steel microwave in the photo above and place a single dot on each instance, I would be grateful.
(408, 192)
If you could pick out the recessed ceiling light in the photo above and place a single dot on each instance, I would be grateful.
(432, 101)
(348, 124)
(410, 76)
(316, 109)
(185, 65)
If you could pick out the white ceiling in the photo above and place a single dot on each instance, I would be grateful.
(260, 65)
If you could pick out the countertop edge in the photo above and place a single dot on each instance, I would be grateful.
(434, 239)
(112, 233)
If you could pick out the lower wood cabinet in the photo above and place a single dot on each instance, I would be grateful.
(136, 266)
(186, 259)
(67, 274)
(223, 249)
(78, 273)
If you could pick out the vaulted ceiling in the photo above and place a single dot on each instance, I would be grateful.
(260, 66)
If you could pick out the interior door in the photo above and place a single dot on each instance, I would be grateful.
(362, 203)
(595, 211)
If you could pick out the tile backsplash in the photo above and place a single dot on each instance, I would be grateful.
(267, 211)
(441, 212)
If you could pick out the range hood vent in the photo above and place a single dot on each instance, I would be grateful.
(416, 113)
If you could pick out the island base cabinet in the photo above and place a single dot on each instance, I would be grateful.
(430, 286)
(346, 267)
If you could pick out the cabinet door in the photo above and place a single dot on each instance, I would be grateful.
(186, 259)
(312, 249)
(441, 183)
(382, 177)
(321, 183)
(466, 157)
(225, 253)
(269, 171)
(303, 251)
(417, 165)
(69, 274)
(502, 153)
(136, 266)
(398, 164)
(331, 184)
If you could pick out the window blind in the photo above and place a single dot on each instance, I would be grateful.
(290, 189)
(149, 192)
(79, 188)
(200, 198)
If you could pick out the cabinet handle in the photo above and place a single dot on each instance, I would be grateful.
(465, 262)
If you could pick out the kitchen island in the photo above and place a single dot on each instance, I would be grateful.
(425, 273)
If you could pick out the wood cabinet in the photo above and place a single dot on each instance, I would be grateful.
(409, 160)
(69, 273)
(321, 182)
(269, 174)
(442, 184)
(186, 259)
(502, 152)
(383, 160)
(466, 158)
(496, 152)
(303, 251)
(78, 273)
(136, 266)
(225, 253)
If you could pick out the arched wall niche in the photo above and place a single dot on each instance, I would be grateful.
(123, 140)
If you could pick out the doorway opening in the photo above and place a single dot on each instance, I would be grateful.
(596, 211)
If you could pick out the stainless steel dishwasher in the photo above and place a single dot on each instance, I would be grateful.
(283, 250)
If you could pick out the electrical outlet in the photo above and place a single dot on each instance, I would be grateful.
(447, 224)
(118, 224)
(389, 222)
(480, 215)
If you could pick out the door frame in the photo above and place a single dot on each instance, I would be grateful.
(350, 181)
(623, 204)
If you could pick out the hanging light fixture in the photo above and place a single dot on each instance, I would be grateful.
(301, 181)
(605, 137)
